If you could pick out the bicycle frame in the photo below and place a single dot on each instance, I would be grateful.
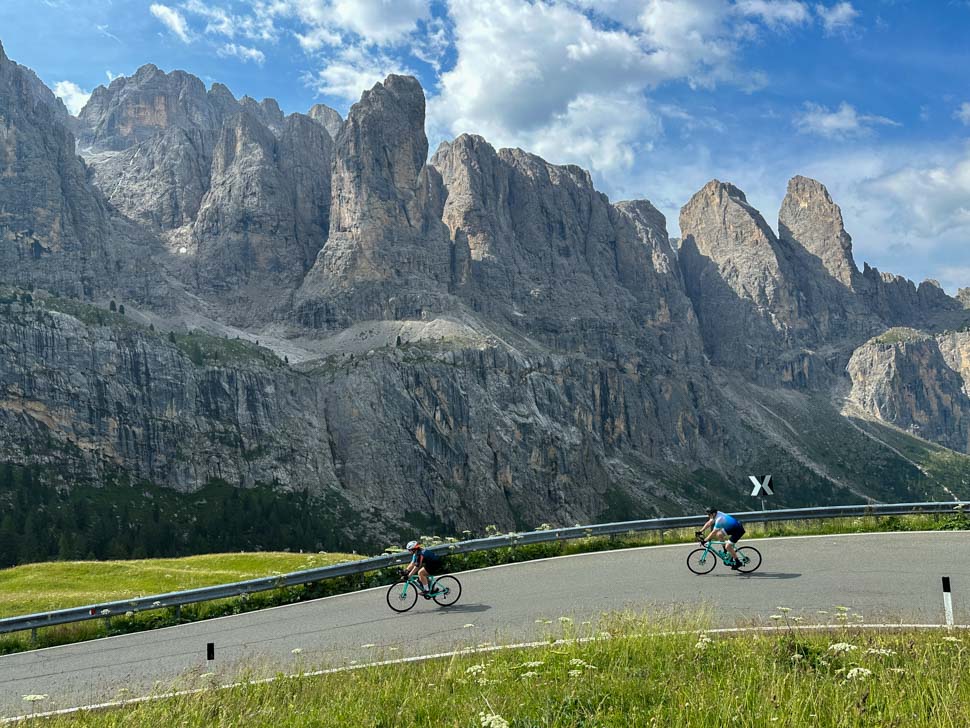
(414, 581)
(722, 552)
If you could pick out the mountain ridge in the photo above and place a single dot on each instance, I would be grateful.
(484, 336)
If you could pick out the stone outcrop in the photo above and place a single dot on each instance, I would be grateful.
(538, 247)
(266, 213)
(809, 219)
(744, 286)
(387, 253)
(330, 118)
(53, 224)
(918, 382)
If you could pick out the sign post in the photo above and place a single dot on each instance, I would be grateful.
(762, 487)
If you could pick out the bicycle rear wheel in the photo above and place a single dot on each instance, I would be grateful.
(701, 561)
(401, 596)
(751, 558)
(449, 590)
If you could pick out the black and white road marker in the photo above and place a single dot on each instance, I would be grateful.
(947, 602)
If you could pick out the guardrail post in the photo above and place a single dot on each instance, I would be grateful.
(33, 635)
(178, 612)
(107, 623)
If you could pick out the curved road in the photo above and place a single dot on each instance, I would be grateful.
(891, 578)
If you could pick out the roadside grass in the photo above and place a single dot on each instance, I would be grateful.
(61, 584)
(87, 577)
(633, 671)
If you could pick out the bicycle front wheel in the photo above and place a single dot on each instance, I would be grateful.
(701, 561)
(750, 557)
(402, 596)
(449, 590)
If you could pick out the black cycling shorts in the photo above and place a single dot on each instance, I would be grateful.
(735, 533)
(434, 566)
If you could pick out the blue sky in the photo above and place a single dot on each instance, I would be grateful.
(655, 97)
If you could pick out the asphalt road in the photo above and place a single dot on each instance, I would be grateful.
(889, 578)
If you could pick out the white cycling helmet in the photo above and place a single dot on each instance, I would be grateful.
(411, 545)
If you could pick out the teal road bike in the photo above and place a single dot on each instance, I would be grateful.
(444, 590)
(704, 559)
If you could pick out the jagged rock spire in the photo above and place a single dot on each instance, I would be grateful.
(810, 219)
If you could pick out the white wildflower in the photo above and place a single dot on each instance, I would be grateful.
(797, 657)
(492, 720)
(34, 698)
(605, 635)
(575, 673)
(897, 670)
(368, 646)
(467, 626)
(952, 639)
(798, 619)
(880, 651)
(565, 620)
(475, 669)
(857, 672)
(840, 608)
(821, 611)
(775, 617)
(784, 610)
(129, 614)
(105, 612)
(534, 663)
(296, 650)
(840, 648)
(527, 675)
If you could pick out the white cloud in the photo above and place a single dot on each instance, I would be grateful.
(73, 96)
(172, 19)
(534, 74)
(317, 37)
(242, 52)
(259, 25)
(963, 113)
(841, 123)
(776, 13)
(931, 198)
(353, 70)
(837, 17)
(112, 76)
(380, 21)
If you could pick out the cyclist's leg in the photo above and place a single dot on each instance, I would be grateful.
(423, 577)
(735, 536)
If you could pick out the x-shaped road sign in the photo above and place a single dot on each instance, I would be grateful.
(761, 485)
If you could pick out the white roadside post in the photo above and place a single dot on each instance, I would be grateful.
(947, 603)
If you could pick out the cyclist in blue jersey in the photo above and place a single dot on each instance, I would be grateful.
(424, 562)
(724, 527)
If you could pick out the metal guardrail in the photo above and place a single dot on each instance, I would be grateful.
(125, 607)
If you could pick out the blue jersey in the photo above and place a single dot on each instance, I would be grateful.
(429, 556)
(725, 521)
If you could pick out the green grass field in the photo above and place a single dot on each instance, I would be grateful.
(60, 584)
(628, 676)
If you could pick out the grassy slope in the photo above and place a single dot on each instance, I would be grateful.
(61, 584)
(631, 678)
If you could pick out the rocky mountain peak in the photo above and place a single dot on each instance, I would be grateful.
(266, 111)
(809, 219)
(329, 118)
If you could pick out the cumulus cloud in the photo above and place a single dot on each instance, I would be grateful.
(380, 21)
(171, 19)
(258, 25)
(933, 197)
(351, 71)
(837, 17)
(533, 74)
(963, 113)
(242, 52)
(840, 123)
(776, 13)
(73, 96)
